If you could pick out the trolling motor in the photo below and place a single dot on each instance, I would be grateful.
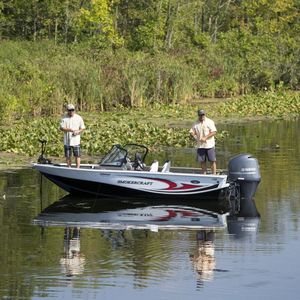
(42, 159)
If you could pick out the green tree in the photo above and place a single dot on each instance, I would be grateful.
(95, 21)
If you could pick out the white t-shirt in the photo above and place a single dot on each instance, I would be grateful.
(75, 122)
(200, 130)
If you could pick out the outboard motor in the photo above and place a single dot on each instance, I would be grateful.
(244, 170)
(245, 222)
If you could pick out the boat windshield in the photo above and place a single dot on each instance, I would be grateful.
(115, 157)
(136, 151)
(118, 155)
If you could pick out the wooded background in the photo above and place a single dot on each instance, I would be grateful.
(102, 53)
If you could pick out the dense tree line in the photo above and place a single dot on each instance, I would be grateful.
(134, 52)
(146, 25)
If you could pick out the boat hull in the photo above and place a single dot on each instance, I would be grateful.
(76, 186)
(136, 185)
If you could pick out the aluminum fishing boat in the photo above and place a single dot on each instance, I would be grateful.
(122, 173)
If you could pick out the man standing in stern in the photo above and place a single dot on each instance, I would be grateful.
(72, 125)
(203, 131)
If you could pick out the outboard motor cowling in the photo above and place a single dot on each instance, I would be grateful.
(244, 170)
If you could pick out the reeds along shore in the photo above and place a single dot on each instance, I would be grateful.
(37, 79)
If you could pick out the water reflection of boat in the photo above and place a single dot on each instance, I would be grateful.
(115, 218)
(241, 225)
(245, 223)
(92, 213)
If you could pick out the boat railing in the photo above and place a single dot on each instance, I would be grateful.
(173, 169)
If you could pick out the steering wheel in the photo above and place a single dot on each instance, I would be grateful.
(140, 165)
(138, 162)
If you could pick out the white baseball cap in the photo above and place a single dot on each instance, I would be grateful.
(70, 107)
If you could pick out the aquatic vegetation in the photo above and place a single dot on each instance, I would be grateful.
(101, 133)
(157, 126)
(279, 105)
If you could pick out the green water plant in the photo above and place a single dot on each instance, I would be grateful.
(157, 126)
(276, 105)
(101, 133)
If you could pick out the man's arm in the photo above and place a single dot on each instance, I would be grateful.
(193, 133)
(205, 138)
(212, 131)
(66, 129)
(76, 132)
(81, 128)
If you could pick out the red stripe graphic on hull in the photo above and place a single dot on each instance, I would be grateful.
(173, 185)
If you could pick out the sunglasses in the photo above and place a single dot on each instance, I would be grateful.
(71, 109)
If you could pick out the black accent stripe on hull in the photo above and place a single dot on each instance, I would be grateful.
(75, 187)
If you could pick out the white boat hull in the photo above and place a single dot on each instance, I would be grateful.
(143, 184)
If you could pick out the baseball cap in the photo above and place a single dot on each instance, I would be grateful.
(201, 112)
(70, 107)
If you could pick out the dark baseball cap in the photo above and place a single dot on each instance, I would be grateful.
(201, 112)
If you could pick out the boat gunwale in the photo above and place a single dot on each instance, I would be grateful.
(131, 172)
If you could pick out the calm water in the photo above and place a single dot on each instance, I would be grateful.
(259, 259)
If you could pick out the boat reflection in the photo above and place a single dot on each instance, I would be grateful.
(114, 218)
(93, 213)
(245, 223)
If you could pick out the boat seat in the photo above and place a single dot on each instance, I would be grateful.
(166, 167)
(154, 166)
(128, 164)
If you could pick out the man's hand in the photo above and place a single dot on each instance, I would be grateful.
(76, 132)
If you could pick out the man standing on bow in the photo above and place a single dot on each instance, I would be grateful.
(72, 125)
(203, 131)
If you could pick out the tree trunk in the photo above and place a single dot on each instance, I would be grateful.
(170, 25)
(55, 31)
(67, 21)
(34, 29)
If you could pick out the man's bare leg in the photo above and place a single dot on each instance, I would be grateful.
(68, 161)
(203, 167)
(213, 166)
(77, 162)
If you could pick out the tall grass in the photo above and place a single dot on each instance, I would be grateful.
(38, 79)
